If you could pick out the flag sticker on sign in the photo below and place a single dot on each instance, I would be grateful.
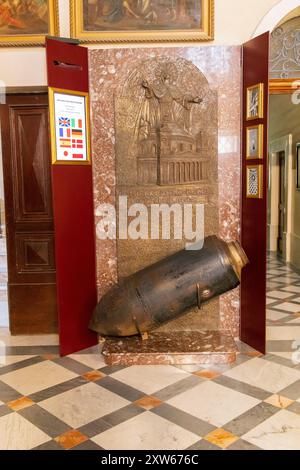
(77, 143)
(64, 122)
(76, 133)
(70, 126)
(64, 132)
(65, 143)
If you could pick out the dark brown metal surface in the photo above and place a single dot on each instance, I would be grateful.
(165, 290)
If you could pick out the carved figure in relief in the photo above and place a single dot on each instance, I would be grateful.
(167, 104)
(169, 152)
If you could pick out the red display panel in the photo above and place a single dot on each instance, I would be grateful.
(254, 211)
(72, 187)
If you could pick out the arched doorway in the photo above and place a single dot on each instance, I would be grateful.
(275, 16)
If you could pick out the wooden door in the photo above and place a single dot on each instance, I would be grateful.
(254, 211)
(28, 211)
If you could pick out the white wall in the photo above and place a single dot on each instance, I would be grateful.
(26, 66)
(235, 23)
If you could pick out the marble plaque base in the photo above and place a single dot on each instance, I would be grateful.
(173, 348)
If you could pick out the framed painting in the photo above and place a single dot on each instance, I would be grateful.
(254, 181)
(118, 21)
(255, 102)
(69, 125)
(27, 22)
(254, 142)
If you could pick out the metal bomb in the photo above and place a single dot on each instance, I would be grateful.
(165, 290)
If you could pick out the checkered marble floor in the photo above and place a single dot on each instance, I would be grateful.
(77, 402)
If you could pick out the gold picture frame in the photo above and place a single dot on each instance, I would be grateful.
(255, 102)
(254, 142)
(254, 185)
(127, 23)
(25, 26)
(79, 143)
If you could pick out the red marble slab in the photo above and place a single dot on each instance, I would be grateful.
(222, 68)
(173, 348)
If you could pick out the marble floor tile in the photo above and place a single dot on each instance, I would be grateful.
(146, 432)
(203, 445)
(20, 404)
(285, 279)
(94, 361)
(37, 377)
(45, 421)
(275, 271)
(273, 285)
(148, 402)
(292, 289)
(63, 403)
(266, 375)
(295, 408)
(81, 405)
(71, 439)
(121, 389)
(294, 321)
(285, 268)
(8, 360)
(283, 333)
(242, 445)
(275, 316)
(270, 301)
(201, 402)
(16, 433)
(4, 319)
(221, 438)
(25, 340)
(279, 401)
(279, 294)
(279, 346)
(292, 391)
(150, 379)
(288, 307)
(285, 355)
(184, 420)
(121, 415)
(280, 432)
(87, 445)
(178, 387)
(250, 419)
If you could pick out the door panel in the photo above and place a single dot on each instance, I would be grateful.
(254, 211)
(30, 163)
(29, 219)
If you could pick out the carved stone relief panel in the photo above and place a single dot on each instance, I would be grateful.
(166, 120)
(213, 73)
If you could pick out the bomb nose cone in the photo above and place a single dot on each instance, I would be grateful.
(114, 316)
(238, 257)
(111, 324)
